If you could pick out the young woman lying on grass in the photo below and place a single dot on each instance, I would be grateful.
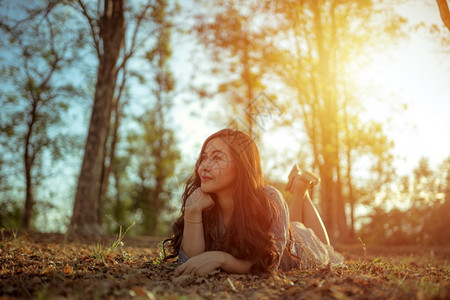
(231, 220)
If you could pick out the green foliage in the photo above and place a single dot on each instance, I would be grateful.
(120, 204)
(100, 252)
(118, 242)
(424, 220)
(161, 254)
(10, 213)
(10, 209)
(155, 154)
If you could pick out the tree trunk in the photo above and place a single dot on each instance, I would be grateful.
(29, 201)
(118, 211)
(107, 169)
(351, 197)
(28, 159)
(157, 203)
(327, 122)
(444, 12)
(85, 214)
(340, 207)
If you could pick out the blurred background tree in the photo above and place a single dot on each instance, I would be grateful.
(423, 215)
(156, 159)
(10, 209)
(144, 23)
(143, 20)
(107, 25)
(229, 32)
(153, 145)
(127, 33)
(37, 92)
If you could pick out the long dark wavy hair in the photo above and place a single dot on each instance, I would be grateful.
(249, 235)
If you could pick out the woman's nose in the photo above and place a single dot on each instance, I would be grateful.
(205, 164)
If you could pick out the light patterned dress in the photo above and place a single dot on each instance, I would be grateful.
(310, 250)
(304, 244)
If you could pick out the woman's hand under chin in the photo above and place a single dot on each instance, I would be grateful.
(202, 264)
(199, 201)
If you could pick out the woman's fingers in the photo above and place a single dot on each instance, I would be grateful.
(204, 271)
(186, 268)
(190, 268)
(180, 270)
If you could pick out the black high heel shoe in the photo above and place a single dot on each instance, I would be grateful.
(310, 178)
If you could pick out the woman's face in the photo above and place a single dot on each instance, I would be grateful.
(217, 170)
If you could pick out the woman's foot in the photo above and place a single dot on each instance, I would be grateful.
(294, 172)
(308, 177)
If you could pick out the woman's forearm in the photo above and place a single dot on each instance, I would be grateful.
(193, 242)
(209, 261)
(234, 265)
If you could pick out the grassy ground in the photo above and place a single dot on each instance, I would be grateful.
(53, 266)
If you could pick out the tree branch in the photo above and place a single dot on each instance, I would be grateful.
(91, 26)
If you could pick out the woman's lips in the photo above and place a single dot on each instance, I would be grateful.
(205, 178)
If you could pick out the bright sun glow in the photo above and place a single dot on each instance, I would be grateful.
(411, 75)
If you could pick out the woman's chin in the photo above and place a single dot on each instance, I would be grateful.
(205, 188)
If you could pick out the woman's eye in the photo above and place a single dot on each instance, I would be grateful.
(217, 158)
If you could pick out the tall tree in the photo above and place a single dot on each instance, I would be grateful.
(41, 44)
(321, 39)
(155, 146)
(120, 32)
(108, 31)
(140, 24)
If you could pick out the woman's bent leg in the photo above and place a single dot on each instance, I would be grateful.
(300, 194)
(303, 210)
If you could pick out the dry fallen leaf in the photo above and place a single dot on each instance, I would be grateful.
(68, 269)
(184, 280)
(49, 269)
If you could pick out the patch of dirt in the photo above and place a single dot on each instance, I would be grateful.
(42, 265)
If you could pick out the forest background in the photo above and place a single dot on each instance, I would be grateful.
(104, 106)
